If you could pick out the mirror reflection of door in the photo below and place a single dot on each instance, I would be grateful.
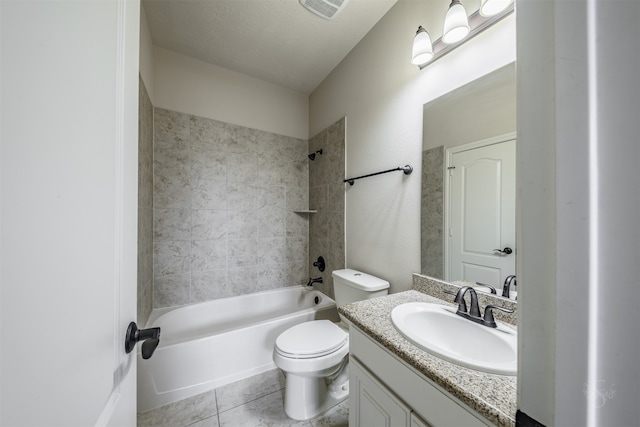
(481, 212)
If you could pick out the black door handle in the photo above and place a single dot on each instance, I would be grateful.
(505, 251)
(150, 338)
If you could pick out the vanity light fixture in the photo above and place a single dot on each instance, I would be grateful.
(456, 23)
(458, 28)
(422, 48)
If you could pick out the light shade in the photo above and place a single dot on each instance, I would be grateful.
(422, 48)
(456, 23)
(493, 7)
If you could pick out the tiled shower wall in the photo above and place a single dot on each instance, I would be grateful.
(432, 213)
(145, 204)
(223, 202)
(326, 195)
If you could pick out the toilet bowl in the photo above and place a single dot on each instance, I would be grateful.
(314, 356)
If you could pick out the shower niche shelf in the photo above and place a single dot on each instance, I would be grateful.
(305, 211)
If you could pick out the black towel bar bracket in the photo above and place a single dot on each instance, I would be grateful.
(407, 169)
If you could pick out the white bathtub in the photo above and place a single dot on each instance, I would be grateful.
(207, 345)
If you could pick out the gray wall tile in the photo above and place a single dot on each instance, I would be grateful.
(432, 212)
(326, 194)
(208, 195)
(171, 257)
(242, 225)
(209, 285)
(243, 280)
(171, 290)
(297, 224)
(271, 277)
(208, 255)
(242, 252)
(272, 251)
(145, 204)
(170, 126)
(224, 197)
(172, 224)
(208, 224)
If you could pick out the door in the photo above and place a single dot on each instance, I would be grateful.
(68, 211)
(481, 229)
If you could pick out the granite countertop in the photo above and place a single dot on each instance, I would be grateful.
(492, 396)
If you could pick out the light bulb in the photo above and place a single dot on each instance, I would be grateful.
(422, 49)
(456, 23)
(493, 7)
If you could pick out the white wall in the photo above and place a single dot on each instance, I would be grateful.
(480, 110)
(579, 311)
(536, 209)
(191, 86)
(146, 55)
(382, 94)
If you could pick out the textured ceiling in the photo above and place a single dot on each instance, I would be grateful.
(274, 40)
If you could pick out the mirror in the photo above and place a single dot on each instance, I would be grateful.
(482, 109)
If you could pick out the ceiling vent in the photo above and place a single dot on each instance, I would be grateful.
(326, 9)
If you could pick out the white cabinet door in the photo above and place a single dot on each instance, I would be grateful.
(68, 211)
(481, 214)
(371, 404)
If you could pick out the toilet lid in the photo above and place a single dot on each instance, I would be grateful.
(311, 339)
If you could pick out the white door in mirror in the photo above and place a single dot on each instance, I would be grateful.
(481, 213)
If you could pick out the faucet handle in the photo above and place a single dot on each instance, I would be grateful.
(462, 305)
(488, 315)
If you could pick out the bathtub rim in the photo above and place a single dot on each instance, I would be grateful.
(325, 304)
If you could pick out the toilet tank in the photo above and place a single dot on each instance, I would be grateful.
(352, 285)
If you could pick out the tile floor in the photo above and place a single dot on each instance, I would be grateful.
(255, 401)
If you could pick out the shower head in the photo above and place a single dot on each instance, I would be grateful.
(312, 156)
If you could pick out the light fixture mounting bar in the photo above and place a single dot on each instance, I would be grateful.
(478, 24)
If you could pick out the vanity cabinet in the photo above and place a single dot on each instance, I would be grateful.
(372, 404)
(386, 391)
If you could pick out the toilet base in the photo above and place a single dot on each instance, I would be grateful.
(306, 397)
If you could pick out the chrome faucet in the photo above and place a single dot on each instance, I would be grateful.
(507, 285)
(312, 281)
(473, 313)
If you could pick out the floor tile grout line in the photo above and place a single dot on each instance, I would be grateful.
(215, 394)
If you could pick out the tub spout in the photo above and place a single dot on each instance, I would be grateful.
(312, 281)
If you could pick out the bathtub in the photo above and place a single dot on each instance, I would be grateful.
(207, 345)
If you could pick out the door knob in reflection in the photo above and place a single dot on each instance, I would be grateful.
(505, 251)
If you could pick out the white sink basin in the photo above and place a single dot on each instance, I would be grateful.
(438, 330)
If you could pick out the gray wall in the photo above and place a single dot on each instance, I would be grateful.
(145, 204)
(223, 199)
(326, 195)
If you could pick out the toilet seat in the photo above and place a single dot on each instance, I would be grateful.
(311, 339)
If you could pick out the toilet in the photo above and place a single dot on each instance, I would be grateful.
(314, 355)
